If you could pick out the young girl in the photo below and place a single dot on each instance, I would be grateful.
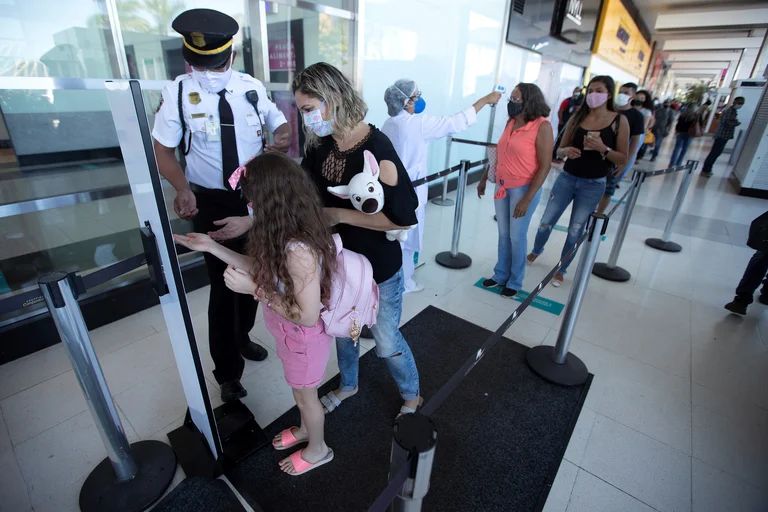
(289, 263)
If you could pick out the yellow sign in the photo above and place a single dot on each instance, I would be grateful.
(620, 42)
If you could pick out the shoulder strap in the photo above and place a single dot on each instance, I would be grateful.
(616, 124)
(184, 147)
(253, 98)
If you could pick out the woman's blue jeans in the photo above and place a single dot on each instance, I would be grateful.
(585, 194)
(682, 141)
(390, 344)
(513, 237)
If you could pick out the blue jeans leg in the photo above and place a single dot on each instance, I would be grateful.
(753, 275)
(513, 237)
(585, 200)
(559, 199)
(682, 141)
(390, 344)
(657, 146)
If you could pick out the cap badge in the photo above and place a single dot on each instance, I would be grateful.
(197, 39)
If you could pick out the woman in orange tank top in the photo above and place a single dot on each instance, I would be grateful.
(524, 158)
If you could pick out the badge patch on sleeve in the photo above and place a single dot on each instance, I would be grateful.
(159, 105)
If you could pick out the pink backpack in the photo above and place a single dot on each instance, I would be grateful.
(354, 295)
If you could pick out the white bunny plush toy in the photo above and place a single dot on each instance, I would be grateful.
(366, 193)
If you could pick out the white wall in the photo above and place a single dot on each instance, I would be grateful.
(449, 48)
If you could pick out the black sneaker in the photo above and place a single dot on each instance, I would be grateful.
(653, 159)
(508, 293)
(738, 307)
(763, 299)
(706, 174)
(366, 333)
(253, 352)
(490, 283)
(232, 390)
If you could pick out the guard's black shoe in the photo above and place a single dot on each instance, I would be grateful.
(366, 333)
(508, 293)
(490, 283)
(763, 299)
(253, 352)
(738, 307)
(232, 390)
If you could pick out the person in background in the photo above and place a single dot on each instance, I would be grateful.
(682, 136)
(596, 141)
(410, 132)
(288, 265)
(219, 116)
(756, 270)
(336, 137)
(524, 158)
(664, 117)
(568, 107)
(637, 136)
(644, 104)
(725, 130)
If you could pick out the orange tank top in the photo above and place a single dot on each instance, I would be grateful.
(517, 160)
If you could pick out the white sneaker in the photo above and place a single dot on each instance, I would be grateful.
(413, 287)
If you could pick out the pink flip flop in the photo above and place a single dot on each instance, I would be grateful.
(288, 440)
(301, 466)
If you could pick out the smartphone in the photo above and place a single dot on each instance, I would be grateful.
(594, 135)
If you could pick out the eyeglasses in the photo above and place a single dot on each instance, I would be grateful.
(415, 97)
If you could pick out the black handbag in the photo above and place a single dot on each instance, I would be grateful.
(758, 233)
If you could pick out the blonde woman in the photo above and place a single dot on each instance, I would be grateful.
(336, 137)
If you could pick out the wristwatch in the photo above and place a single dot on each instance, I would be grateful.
(606, 153)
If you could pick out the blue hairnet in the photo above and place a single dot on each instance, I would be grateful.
(396, 96)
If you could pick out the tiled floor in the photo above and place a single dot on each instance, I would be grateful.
(676, 420)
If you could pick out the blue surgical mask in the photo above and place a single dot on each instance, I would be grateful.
(419, 105)
(315, 122)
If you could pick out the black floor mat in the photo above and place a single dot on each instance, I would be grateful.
(198, 494)
(501, 434)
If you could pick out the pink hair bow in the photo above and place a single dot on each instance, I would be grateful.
(238, 174)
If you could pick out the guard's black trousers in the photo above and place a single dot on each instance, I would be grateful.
(230, 315)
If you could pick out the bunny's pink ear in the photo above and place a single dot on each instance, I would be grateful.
(371, 165)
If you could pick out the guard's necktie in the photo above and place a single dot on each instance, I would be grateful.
(229, 159)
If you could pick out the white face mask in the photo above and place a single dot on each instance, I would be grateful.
(213, 81)
(622, 100)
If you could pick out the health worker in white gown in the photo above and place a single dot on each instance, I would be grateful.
(410, 131)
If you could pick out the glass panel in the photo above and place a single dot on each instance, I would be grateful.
(452, 67)
(54, 38)
(297, 38)
(81, 237)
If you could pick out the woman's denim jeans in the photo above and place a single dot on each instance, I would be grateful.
(390, 344)
(513, 237)
(585, 194)
(682, 141)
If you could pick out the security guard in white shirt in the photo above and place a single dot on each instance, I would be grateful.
(217, 117)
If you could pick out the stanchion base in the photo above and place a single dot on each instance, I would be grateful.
(446, 259)
(443, 202)
(571, 373)
(617, 274)
(658, 243)
(157, 466)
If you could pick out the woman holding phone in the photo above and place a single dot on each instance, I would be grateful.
(595, 144)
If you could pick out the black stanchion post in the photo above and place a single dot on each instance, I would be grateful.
(442, 200)
(556, 364)
(609, 270)
(663, 243)
(454, 258)
(415, 436)
(133, 476)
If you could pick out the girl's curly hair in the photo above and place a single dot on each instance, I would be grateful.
(286, 207)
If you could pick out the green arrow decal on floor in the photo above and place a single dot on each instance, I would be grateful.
(550, 306)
